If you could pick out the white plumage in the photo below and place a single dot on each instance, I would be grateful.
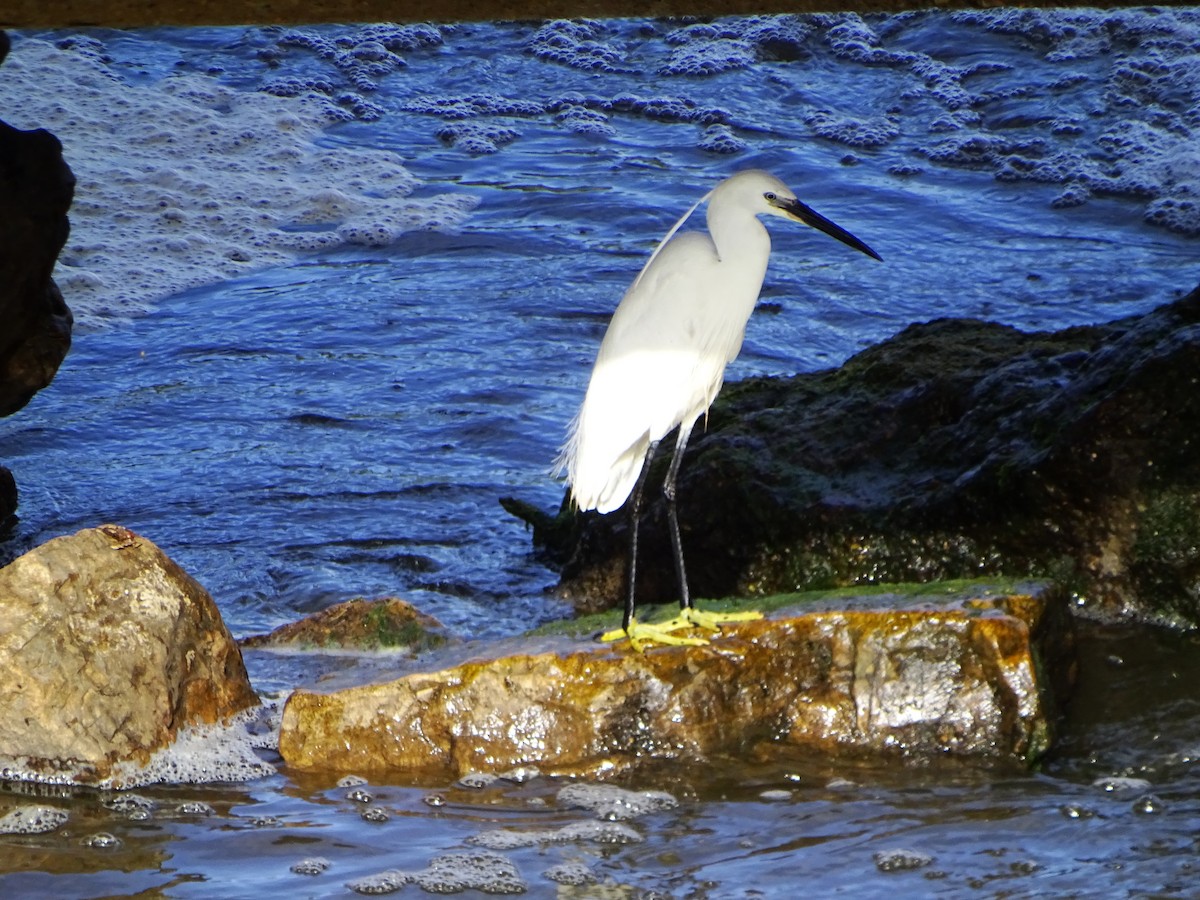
(663, 358)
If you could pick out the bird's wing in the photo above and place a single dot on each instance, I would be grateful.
(657, 367)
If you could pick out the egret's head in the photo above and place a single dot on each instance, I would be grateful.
(772, 196)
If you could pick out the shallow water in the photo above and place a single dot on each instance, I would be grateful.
(344, 424)
(739, 829)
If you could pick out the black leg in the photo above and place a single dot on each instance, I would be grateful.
(685, 600)
(635, 513)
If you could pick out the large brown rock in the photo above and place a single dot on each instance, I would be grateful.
(962, 674)
(108, 649)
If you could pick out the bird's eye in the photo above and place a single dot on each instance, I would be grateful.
(770, 196)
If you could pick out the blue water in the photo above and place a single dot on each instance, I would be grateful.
(346, 425)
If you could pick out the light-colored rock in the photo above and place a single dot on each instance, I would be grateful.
(959, 674)
(108, 648)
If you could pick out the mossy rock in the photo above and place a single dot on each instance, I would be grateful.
(358, 624)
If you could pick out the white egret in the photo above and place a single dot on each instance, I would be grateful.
(662, 361)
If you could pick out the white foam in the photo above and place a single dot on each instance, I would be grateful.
(573, 832)
(201, 754)
(32, 820)
(184, 182)
(614, 803)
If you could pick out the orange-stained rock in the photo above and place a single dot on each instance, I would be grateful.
(108, 648)
(925, 675)
(359, 624)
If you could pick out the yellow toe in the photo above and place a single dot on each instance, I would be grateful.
(712, 621)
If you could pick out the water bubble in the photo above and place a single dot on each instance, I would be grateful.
(434, 800)
(313, 865)
(900, 860)
(195, 808)
(375, 814)
(1147, 804)
(775, 795)
(360, 795)
(101, 840)
(1076, 811)
(477, 780)
(1117, 784)
(350, 781)
(521, 774)
(132, 806)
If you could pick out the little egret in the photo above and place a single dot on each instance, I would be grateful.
(662, 361)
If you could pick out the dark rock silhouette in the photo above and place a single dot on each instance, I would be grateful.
(36, 188)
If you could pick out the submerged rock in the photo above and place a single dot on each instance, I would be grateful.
(969, 674)
(108, 649)
(957, 448)
(359, 624)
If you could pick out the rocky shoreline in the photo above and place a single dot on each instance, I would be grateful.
(956, 449)
(134, 652)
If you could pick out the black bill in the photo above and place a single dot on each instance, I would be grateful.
(810, 216)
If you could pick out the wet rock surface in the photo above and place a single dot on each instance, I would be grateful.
(957, 448)
(970, 673)
(109, 649)
(36, 187)
(385, 624)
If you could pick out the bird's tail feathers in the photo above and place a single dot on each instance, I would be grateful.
(564, 462)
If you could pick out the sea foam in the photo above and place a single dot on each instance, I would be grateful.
(183, 182)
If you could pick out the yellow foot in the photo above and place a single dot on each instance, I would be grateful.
(640, 633)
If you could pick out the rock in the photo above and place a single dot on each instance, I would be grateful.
(8, 503)
(957, 448)
(108, 650)
(359, 624)
(36, 188)
(970, 674)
